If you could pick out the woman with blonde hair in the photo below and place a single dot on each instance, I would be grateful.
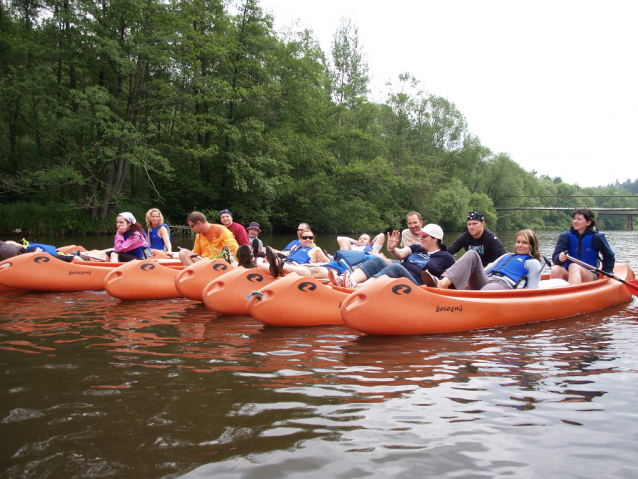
(159, 234)
(506, 272)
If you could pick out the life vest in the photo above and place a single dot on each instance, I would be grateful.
(33, 248)
(137, 252)
(300, 255)
(511, 266)
(292, 244)
(156, 242)
(580, 247)
(352, 258)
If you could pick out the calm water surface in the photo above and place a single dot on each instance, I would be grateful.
(95, 387)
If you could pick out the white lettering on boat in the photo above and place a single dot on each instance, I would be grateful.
(451, 309)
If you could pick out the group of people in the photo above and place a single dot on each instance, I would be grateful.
(417, 253)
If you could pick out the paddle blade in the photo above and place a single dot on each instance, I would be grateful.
(632, 286)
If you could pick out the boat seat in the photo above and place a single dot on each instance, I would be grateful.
(552, 283)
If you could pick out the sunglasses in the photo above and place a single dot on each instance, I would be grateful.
(308, 237)
(302, 229)
(192, 226)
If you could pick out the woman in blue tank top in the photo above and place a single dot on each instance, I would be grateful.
(159, 234)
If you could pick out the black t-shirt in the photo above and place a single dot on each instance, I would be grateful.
(436, 263)
(488, 246)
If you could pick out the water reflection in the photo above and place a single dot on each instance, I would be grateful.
(97, 387)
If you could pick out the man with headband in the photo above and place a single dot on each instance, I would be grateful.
(478, 239)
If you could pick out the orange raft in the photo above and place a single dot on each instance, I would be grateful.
(227, 294)
(191, 282)
(43, 272)
(395, 306)
(297, 301)
(145, 279)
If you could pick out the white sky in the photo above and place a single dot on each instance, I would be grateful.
(552, 83)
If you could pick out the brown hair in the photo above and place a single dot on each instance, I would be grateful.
(415, 213)
(533, 243)
(588, 215)
(196, 216)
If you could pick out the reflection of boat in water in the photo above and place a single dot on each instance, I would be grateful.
(297, 301)
(227, 294)
(145, 279)
(191, 282)
(394, 306)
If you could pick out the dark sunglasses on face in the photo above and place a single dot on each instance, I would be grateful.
(192, 226)
(307, 237)
(301, 229)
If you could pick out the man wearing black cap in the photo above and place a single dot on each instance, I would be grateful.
(238, 231)
(479, 239)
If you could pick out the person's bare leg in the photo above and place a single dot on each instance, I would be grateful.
(300, 269)
(578, 274)
(558, 272)
(185, 257)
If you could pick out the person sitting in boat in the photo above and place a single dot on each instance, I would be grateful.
(253, 238)
(159, 233)
(303, 254)
(409, 235)
(478, 238)
(507, 272)
(130, 240)
(9, 249)
(238, 231)
(364, 243)
(211, 242)
(430, 255)
(584, 242)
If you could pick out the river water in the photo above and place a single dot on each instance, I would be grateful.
(95, 387)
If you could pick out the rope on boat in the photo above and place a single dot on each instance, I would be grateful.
(254, 293)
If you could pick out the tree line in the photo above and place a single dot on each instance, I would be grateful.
(197, 105)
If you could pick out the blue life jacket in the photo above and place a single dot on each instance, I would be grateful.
(137, 252)
(47, 248)
(154, 239)
(300, 255)
(292, 244)
(582, 249)
(511, 266)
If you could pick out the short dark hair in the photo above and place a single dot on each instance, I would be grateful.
(589, 216)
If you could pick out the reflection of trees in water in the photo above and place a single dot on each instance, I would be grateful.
(166, 377)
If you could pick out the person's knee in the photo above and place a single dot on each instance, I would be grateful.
(557, 272)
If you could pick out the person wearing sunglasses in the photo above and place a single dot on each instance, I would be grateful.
(429, 255)
(305, 253)
(210, 242)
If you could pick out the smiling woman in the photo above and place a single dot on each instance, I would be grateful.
(507, 272)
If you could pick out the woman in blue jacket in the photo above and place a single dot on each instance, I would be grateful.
(584, 242)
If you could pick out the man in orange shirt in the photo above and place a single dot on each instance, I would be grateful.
(209, 242)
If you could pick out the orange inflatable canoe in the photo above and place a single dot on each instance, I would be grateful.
(191, 282)
(395, 306)
(227, 294)
(43, 272)
(297, 301)
(145, 279)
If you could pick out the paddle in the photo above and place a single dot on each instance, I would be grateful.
(632, 286)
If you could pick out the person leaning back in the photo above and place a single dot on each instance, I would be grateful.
(209, 242)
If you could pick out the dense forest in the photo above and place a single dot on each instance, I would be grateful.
(199, 105)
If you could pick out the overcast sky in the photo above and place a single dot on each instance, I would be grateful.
(552, 83)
